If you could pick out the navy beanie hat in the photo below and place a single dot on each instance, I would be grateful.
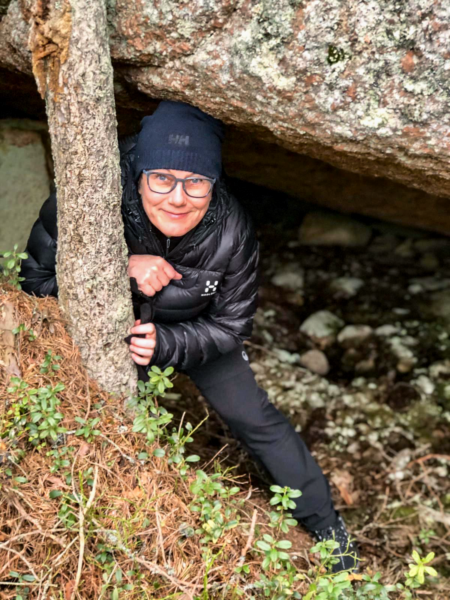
(180, 136)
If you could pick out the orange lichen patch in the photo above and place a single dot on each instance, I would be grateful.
(408, 62)
(351, 91)
(413, 131)
(312, 79)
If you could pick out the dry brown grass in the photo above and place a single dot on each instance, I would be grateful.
(139, 510)
(136, 508)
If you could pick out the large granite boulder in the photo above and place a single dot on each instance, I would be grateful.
(356, 86)
(24, 180)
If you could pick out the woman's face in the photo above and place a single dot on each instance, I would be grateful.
(175, 213)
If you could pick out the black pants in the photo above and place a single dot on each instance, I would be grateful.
(229, 385)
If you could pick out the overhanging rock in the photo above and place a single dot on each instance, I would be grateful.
(361, 85)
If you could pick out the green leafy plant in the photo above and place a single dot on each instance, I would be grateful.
(177, 441)
(214, 518)
(280, 586)
(12, 266)
(68, 510)
(87, 429)
(425, 535)
(419, 569)
(60, 460)
(22, 593)
(45, 417)
(22, 327)
(330, 587)
(35, 410)
(283, 497)
(372, 588)
(151, 419)
(49, 365)
(283, 500)
(275, 556)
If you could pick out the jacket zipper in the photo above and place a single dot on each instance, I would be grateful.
(167, 246)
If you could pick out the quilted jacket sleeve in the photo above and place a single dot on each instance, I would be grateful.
(39, 269)
(228, 321)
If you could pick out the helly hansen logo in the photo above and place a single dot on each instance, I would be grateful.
(178, 139)
(210, 288)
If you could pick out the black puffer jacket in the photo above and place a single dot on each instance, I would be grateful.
(205, 314)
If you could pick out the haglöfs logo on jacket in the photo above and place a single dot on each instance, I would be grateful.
(210, 288)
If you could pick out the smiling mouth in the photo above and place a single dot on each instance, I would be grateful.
(175, 214)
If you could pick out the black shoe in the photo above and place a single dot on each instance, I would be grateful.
(341, 535)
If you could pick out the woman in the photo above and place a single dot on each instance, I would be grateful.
(193, 259)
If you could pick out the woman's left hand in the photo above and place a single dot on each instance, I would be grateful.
(142, 348)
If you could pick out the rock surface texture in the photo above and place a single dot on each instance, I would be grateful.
(24, 181)
(361, 85)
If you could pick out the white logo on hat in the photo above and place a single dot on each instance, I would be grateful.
(178, 139)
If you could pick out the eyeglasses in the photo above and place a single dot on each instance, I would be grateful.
(164, 183)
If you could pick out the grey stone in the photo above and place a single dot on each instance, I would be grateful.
(383, 244)
(316, 361)
(354, 335)
(439, 305)
(429, 261)
(440, 368)
(322, 324)
(386, 330)
(346, 286)
(287, 357)
(406, 249)
(406, 358)
(24, 183)
(290, 278)
(428, 284)
(329, 229)
(424, 384)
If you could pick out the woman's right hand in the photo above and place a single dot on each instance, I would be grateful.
(152, 273)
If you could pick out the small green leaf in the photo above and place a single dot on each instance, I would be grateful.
(273, 555)
(55, 493)
(263, 546)
(159, 452)
(193, 458)
(284, 544)
(340, 577)
(295, 494)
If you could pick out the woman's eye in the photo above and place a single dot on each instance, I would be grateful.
(196, 180)
(162, 178)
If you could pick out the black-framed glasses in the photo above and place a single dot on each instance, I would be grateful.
(164, 183)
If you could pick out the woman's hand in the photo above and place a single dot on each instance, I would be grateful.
(142, 348)
(152, 273)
